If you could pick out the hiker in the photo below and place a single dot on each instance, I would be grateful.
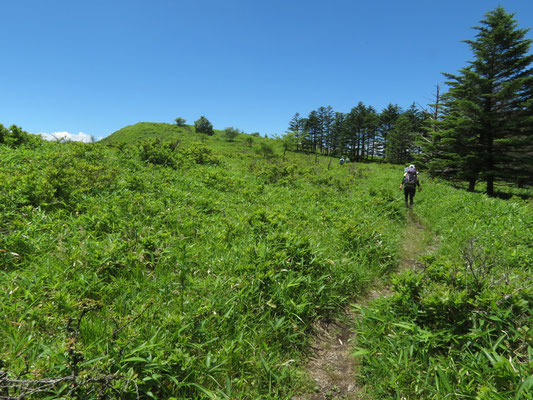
(409, 183)
(341, 161)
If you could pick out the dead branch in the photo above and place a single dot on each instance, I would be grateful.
(16, 389)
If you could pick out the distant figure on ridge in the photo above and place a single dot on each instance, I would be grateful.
(409, 183)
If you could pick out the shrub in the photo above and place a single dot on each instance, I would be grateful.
(277, 172)
(198, 153)
(159, 152)
(16, 137)
(180, 121)
(231, 133)
(202, 125)
(266, 150)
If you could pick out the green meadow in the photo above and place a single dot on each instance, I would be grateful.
(163, 263)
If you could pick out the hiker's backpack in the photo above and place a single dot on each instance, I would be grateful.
(410, 177)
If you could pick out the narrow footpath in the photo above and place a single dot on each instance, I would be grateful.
(331, 365)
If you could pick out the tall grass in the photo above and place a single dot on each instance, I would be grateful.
(460, 326)
(195, 268)
(183, 271)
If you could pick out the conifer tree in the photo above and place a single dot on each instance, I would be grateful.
(454, 151)
(326, 116)
(387, 119)
(336, 141)
(355, 125)
(372, 125)
(313, 130)
(400, 141)
(487, 130)
(296, 126)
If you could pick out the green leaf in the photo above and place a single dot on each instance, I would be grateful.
(136, 359)
(404, 325)
(359, 351)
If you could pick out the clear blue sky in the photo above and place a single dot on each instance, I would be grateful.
(96, 66)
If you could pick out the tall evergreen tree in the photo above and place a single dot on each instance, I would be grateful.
(336, 138)
(418, 123)
(355, 126)
(372, 125)
(488, 124)
(387, 119)
(400, 140)
(313, 130)
(432, 115)
(296, 126)
(326, 117)
(453, 151)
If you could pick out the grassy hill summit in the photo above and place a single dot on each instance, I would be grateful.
(165, 263)
(165, 131)
(227, 140)
(153, 130)
(146, 130)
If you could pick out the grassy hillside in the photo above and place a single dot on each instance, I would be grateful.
(458, 325)
(145, 130)
(163, 131)
(148, 130)
(188, 271)
(162, 263)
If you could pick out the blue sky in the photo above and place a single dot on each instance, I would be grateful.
(95, 66)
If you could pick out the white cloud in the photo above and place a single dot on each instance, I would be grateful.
(67, 136)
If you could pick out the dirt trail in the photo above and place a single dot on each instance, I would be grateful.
(331, 366)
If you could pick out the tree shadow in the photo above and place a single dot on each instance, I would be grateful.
(499, 194)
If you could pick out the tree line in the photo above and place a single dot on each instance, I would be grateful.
(363, 134)
(481, 129)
